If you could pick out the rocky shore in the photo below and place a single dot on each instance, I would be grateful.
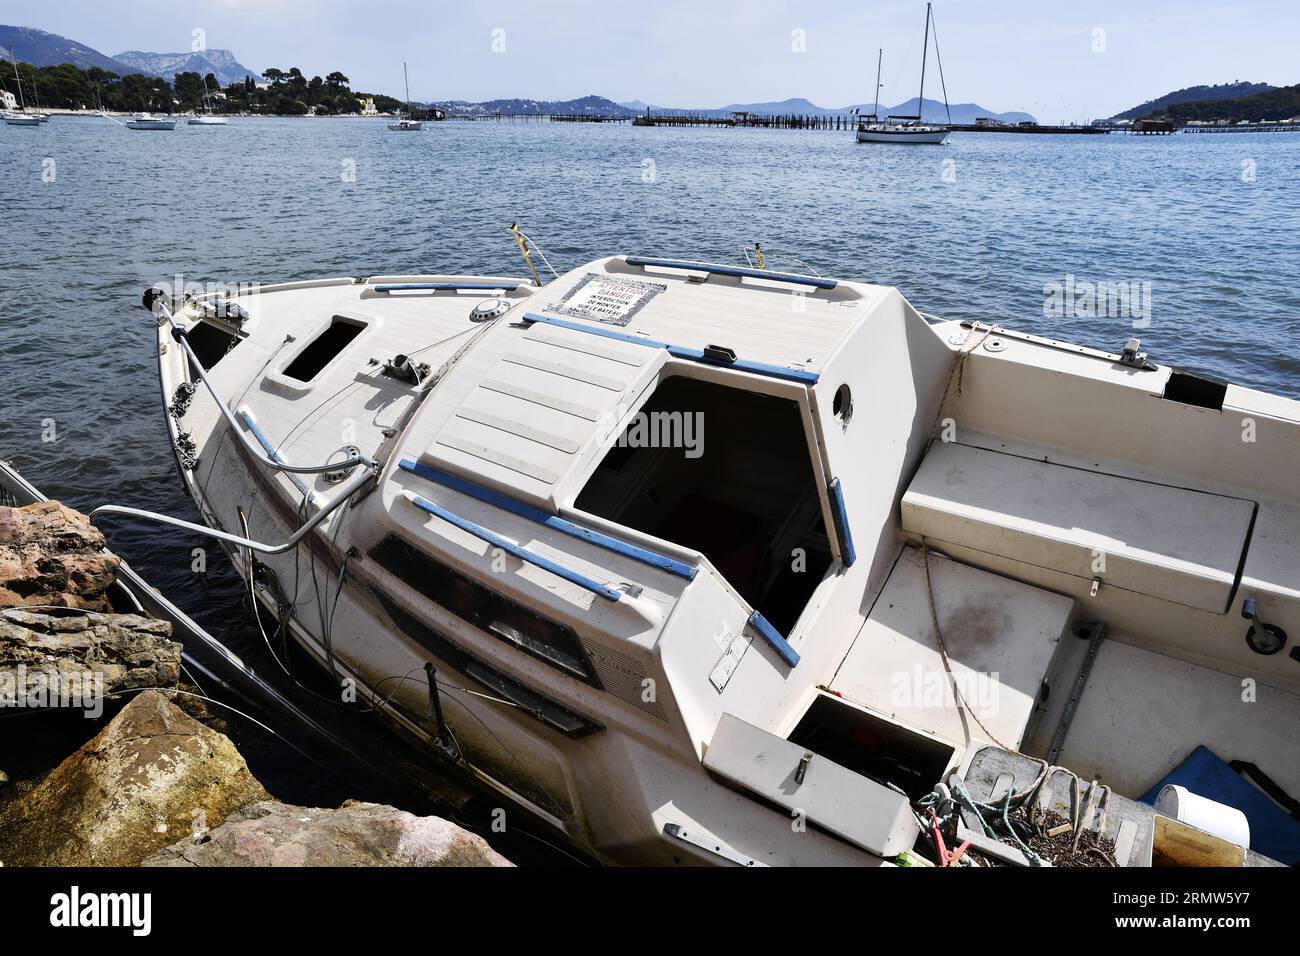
(154, 785)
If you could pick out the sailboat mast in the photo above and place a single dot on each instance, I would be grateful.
(880, 55)
(22, 103)
(925, 52)
(407, 80)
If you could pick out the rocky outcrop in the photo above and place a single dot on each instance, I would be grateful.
(49, 657)
(152, 775)
(52, 555)
(357, 834)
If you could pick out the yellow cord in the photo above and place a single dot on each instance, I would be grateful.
(522, 242)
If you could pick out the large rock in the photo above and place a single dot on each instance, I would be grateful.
(84, 652)
(149, 777)
(357, 834)
(50, 554)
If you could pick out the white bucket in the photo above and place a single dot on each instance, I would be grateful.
(1218, 819)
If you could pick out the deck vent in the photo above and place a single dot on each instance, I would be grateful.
(1191, 389)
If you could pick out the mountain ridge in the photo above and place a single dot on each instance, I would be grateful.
(220, 63)
(1194, 94)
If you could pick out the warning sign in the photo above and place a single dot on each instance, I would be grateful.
(610, 299)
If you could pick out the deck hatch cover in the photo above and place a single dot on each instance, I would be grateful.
(857, 808)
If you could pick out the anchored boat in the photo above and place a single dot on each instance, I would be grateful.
(405, 124)
(710, 564)
(147, 120)
(899, 128)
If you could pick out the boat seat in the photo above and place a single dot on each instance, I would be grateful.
(1166, 542)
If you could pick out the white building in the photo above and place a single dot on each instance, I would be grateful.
(7, 100)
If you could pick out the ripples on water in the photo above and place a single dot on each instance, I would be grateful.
(265, 200)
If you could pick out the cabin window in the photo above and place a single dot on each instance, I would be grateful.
(725, 472)
(843, 404)
(544, 639)
(323, 349)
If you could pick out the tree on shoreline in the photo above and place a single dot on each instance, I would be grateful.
(288, 94)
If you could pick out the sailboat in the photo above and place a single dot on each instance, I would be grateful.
(23, 118)
(405, 123)
(208, 118)
(147, 120)
(911, 130)
(531, 574)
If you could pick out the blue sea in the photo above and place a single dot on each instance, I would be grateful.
(1207, 227)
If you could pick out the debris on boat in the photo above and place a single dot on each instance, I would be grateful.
(356, 834)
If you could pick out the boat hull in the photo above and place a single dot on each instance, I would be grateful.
(207, 121)
(151, 124)
(23, 120)
(917, 137)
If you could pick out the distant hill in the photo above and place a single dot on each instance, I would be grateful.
(39, 48)
(586, 106)
(1274, 104)
(221, 63)
(1194, 94)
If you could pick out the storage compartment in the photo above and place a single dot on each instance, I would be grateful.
(1170, 543)
(872, 746)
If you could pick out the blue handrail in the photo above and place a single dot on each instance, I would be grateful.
(847, 552)
(734, 271)
(523, 554)
(445, 286)
(273, 454)
(774, 638)
(555, 522)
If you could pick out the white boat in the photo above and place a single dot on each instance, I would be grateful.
(405, 124)
(693, 588)
(207, 118)
(147, 120)
(22, 117)
(903, 128)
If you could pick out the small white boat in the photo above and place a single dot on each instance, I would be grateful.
(22, 117)
(405, 124)
(904, 128)
(149, 121)
(632, 553)
(207, 118)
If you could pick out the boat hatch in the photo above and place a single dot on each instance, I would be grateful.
(211, 343)
(1165, 542)
(323, 349)
(864, 811)
(726, 472)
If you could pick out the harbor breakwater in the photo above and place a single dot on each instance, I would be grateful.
(110, 758)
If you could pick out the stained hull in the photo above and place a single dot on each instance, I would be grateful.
(929, 136)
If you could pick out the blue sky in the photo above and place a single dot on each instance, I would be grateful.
(1042, 56)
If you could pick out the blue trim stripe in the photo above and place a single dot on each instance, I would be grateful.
(774, 638)
(847, 552)
(681, 351)
(735, 271)
(555, 522)
(523, 554)
(274, 455)
(445, 286)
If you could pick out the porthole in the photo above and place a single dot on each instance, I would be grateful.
(843, 404)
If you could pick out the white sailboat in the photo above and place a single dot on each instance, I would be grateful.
(554, 549)
(405, 124)
(208, 118)
(23, 118)
(903, 128)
